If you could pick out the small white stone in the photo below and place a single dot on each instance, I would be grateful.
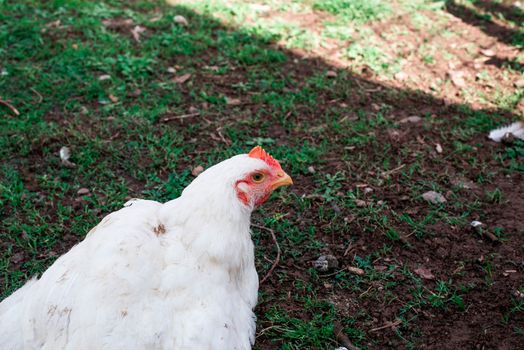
(434, 197)
(476, 223)
(180, 20)
(412, 119)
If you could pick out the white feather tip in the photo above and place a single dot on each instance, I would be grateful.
(517, 129)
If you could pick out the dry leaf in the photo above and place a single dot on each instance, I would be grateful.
(180, 20)
(488, 52)
(197, 170)
(355, 270)
(380, 268)
(412, 119)
(136, 31)
(117, 23)
(360, 203)
(424, 273)
(463, 183)
(156, 18)
(233, 101)
(54, 24)
(457, 78)
(113, 98)
(82, 191)
(17, 258)
(181, 79)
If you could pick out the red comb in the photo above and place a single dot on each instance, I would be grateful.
(259, 153)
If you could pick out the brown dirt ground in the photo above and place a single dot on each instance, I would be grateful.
(478, 327)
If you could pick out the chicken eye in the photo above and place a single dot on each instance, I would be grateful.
(257, 177)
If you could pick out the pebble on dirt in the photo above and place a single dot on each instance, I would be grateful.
(411, 119)
(434, 197)
(325, 263)
(180, 20)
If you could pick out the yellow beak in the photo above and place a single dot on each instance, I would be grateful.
(283, 179)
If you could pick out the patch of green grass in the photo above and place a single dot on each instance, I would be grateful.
(360, 11)
(298, 333)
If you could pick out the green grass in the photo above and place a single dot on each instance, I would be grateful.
(336, 134)
(359, 11)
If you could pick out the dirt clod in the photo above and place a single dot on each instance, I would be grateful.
(434, 197)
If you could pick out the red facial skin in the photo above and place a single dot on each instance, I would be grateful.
(260, 188)
(258, 191)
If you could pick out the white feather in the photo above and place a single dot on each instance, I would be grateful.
(517, 129)
(178, 275)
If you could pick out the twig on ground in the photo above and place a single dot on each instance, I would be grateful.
(348, 249)
(113, 137)
(389, 172)
(277, 259)
(266, 329)
(40, 97)
(10, 106)
(219, 132)
(366, 292)
(342, 337)
(387, 325)
(183, 116)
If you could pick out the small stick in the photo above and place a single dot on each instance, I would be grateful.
(40, 97)
(389, 172)
(346, 252)
(342, 337)
(275, 263)
(266, 329)
(10, 106)
(387, 325)
(219, 132)
(183, 116)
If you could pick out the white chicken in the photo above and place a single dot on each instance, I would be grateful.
(516, 129)
(178, 275)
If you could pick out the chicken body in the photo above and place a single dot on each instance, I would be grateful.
(516, 129)
(178, 275)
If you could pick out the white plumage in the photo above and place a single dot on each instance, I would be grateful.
(178, 275)
(517, 129)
